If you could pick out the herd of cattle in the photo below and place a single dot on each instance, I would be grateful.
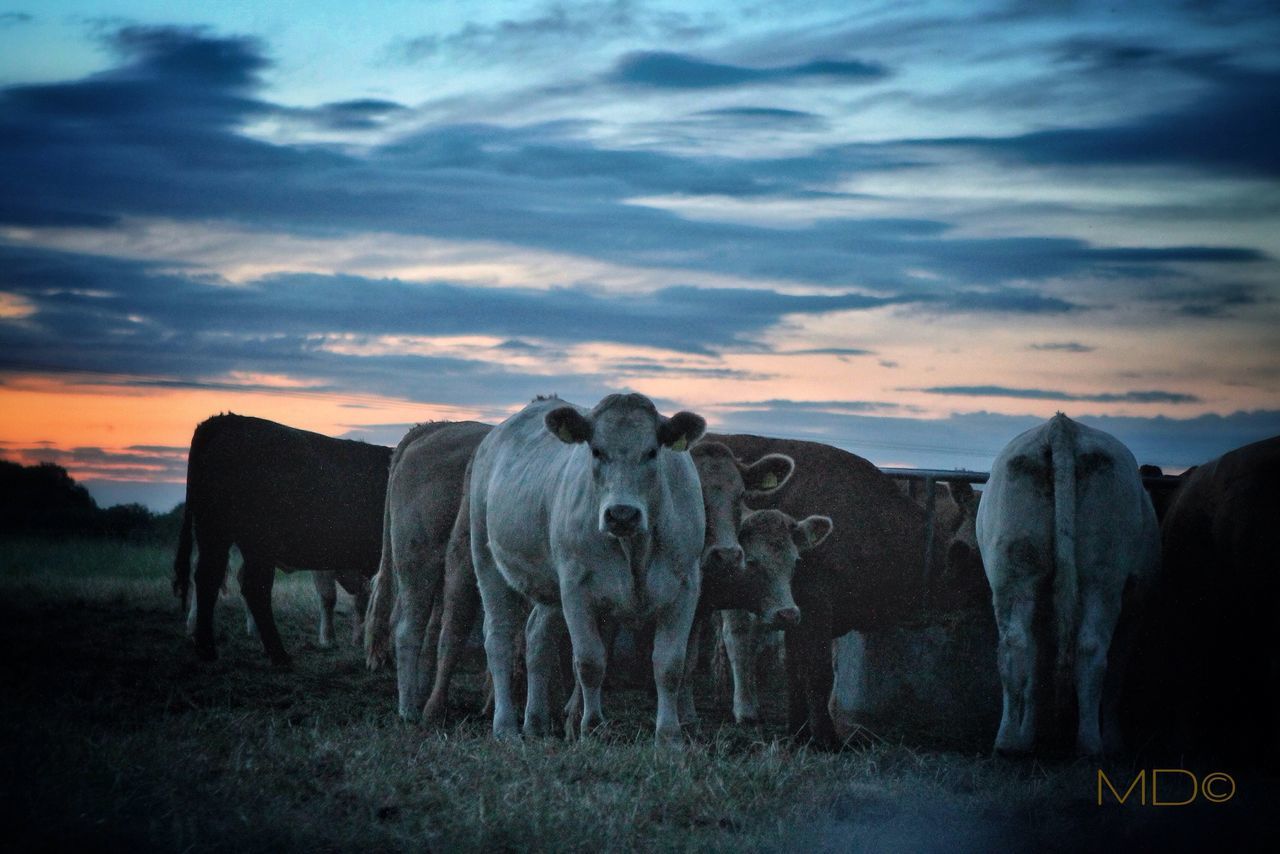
(563, 525)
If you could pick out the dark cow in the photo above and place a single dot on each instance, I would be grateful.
(867, 575)
(1208, 655)
(286, 498)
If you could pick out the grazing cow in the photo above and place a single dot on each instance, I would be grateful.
(424, 490)
(866, 576)
(586, 513)
(287, 498)
(1210, 663)
(1069, 541)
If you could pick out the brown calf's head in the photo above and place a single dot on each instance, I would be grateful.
(773, 541)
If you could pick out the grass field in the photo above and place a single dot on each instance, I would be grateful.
(115, 737)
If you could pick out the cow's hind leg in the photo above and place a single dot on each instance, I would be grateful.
(258, 578)
(1016, 660)
(211, 569)
(503, 614)
(1098, 618)
(542, 636)
(461, 602)
(359, 607)
(326, 585)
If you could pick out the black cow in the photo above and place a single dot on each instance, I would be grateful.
(286, 498)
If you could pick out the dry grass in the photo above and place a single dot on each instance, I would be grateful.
(115, 736)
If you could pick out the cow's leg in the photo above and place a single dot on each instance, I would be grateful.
(813, 642)
(1098, 617)
(1016, 660)
(326, 584)
(359, 607)
(688, 713)
(543, 630)
(670, 640)
(461, 602)
(849, 694)
(258, 578)
(250, 627)
(797, 711)
(211, 569)
(742, 647)
(413, 607)
(503, 613)
(588, 655)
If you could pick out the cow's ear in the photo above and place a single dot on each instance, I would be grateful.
(766, 474)
(568, 425)
(681, 430)
(811, 532)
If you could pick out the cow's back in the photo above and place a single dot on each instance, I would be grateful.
(298, 499)
(872, 564)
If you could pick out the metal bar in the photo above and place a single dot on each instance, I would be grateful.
(1157, 481)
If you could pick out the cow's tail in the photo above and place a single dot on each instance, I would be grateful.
(182, 560)
(382, 600)
(1066, 594)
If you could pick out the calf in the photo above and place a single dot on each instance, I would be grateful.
(287, 498)
(1069, 541)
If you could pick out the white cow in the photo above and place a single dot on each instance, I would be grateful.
(586, 513)
(1067, 534)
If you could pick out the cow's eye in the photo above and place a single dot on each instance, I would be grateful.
(597, 453)
(653, 454)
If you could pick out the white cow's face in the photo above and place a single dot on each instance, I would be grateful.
(625, 436)
(773, 541)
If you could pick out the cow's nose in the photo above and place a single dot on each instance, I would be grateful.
(787, 617)
(730, 556)
(622, 518)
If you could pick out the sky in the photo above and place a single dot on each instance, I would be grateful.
(909, 229)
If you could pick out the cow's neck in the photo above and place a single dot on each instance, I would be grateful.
(637, 550)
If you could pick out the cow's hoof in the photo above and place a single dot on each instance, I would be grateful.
(594, 728)
(669, 737)
(747, 720)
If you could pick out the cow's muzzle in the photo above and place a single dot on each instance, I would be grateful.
(623, 520)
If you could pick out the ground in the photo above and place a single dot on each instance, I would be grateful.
(114, 736)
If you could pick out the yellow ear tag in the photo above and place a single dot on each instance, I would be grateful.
(769, 482)
(564, 434)
(680, 444)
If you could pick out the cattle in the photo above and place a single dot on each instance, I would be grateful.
(749, 557)
(286, 498)
(424, 490)
(586, 513)
(1069, 541)
(424, 471)
(1209, 678)
(866, 576)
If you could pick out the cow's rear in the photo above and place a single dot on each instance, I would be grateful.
(1066, 532)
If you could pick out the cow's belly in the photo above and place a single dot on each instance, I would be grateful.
(533, 577)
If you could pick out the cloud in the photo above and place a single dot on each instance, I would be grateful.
(13, 19)
(550, 28)
(159, 136)
(665, 70)
(1064, 347)
(972, 440)
(1047, 394)
(1242, 106)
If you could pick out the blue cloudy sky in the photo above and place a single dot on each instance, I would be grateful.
(910, 229)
